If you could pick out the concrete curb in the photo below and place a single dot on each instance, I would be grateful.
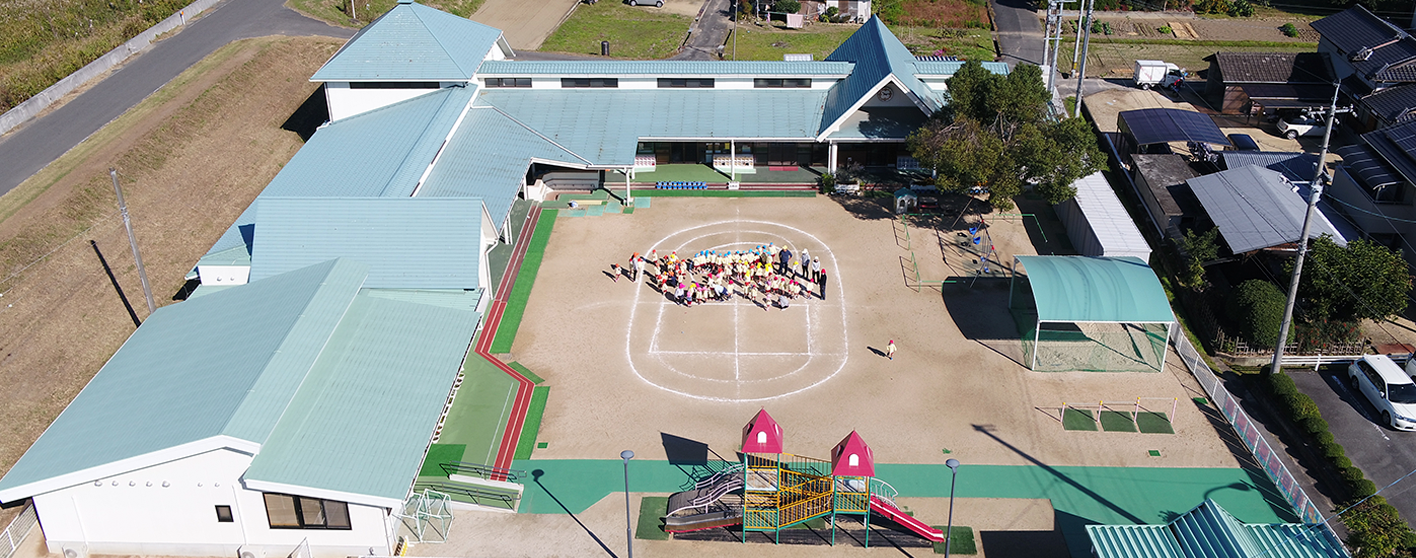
(44, 99)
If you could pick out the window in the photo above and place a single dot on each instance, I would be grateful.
(299, 512)
(589, 82)
(854, 460)
(223, 514)
(802, 83)
(762, 438)
(508, 82)
(394, 85)
(1372, 376)
(690, 83)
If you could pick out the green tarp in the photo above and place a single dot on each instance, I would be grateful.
(1095, 289)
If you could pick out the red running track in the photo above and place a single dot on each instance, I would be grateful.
(524, 387)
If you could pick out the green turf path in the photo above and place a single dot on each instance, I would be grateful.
(525, 279)
(1117, 421)
(439, 454)
(517, 366)
(650, 193)
(1078, 419)
(1154, 422)
(532, 426)
(480, 410)
(650, 525)
(961, 540)
(1080, 495)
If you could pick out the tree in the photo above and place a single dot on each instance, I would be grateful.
(1200, 248)
(995, 134)
(1365, 280)
(1258, 307)
(786, 6)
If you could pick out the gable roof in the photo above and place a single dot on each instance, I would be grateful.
(1273, 67)
(852, 444)
(1296, 167)
(878, 56)
(1396, 144)
(1355, 29)
(396, 356)
(407, 243)
(762, 423)
(1392, 103)
(215, 371)
(1209, 531)
(412, 42)
(1255, 208)
(937, 68)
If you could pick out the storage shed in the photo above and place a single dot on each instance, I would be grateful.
(1098, 224)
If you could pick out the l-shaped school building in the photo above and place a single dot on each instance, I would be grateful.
(293, 397)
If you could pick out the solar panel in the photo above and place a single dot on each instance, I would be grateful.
(1150, 126)
(1404, 136)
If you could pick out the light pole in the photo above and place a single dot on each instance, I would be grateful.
(953, 475)
(628, 536)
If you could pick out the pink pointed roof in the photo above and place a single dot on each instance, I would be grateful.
(853, 445)
(762, 434)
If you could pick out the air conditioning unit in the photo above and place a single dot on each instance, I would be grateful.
(76, 551)
(251, 552)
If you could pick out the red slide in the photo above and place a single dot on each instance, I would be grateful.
(884, 508)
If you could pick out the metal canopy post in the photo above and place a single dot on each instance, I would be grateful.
(1037, 336)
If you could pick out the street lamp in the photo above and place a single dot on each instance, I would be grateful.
(953, 475)
(629, 536)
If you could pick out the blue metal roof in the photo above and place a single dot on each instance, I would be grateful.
(663, 68)
(1208, 531)
(876, 54)
(224, 364)
(394, 356)
(408, 243)
(412, 42)
(1134, 541)
(383, 152)
(927, 68)
(603, 125)
(487, 158)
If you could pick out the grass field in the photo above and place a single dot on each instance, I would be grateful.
(634, 33)
(337, 12)
(42, 42)
(770, 43)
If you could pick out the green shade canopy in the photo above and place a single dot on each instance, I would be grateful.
(1087, 289)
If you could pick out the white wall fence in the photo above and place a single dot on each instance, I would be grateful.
(1264, 454)
(22, 112)
(17, 531)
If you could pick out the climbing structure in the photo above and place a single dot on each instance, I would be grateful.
(779, 490)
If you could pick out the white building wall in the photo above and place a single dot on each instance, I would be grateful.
(135, 514)
(554, 82)
(345, 102)
(225, 275)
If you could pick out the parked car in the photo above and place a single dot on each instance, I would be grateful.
(654, 3)
(1244, 142)
(1387, 387)
(1291, 128)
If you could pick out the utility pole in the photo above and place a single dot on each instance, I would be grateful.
(1086, 44)
(1053, 42)
(1315, 191)
(132, 240)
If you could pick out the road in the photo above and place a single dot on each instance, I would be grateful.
(1019, 32)
(708, 32)
(1384, 454)
(42, 140)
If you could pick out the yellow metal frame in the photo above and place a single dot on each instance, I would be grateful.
(782, 490)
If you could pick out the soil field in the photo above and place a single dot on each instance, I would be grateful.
(945, 13)
(760, 42)
(1118, 59)
(191, 157)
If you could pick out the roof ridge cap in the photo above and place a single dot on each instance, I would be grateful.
(438, 40)
(537, 133)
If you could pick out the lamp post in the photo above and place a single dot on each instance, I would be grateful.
(953, 475)
(628, 535)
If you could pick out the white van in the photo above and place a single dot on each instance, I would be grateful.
(1388, 387)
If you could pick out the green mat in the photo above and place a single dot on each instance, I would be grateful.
(527, 442)
(525, 279)
(479, 413)
(1078, 419)
(1154, 423)
(1117, 421)
(517, 366)
(651, 512)
(439, 454)
(961, 540)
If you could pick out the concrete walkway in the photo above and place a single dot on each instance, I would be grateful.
(525, 24)
(36, 144)
(708, 32)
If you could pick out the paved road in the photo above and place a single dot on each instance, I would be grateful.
(41, 141)
(1020, 37)
(1384, 454)
(708, 32)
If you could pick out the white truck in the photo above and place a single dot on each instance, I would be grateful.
(1151, 73)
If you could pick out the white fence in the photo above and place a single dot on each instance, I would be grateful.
(1264, 454)
(17, 531)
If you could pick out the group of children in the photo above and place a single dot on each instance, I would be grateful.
(768, 275)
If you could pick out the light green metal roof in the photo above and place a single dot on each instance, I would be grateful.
(362, 419)
(603, 125)
(706, 68)
(226, 363)
(934, 68)
(380, 153)
(408, 243)
(473, 166)
(412, 42)
(877, 53)
(1087, 289)
(1134, 541)
(1208, 531)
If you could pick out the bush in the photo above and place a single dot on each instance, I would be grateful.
(1342, 461)
(1315, 425)
(1352, 475)
(1241, 8)
(1166, 30)
(1325, 441)
(1288, 30)
(1333, 451)
(1376, 529)
(1257, 305)
(828, 182)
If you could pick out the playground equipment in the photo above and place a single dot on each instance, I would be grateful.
(1142, 409)
(427, 515)
(770, 490)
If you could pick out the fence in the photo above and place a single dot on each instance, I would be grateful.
(1264, 454)
(17, 531)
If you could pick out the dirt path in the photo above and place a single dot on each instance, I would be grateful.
(191, 158)
(526, 24)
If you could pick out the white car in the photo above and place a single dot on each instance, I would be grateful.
(1294, 127)
(1388, 387)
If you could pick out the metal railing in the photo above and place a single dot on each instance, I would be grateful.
(485, 471)
(18, 529)
(1264, 454)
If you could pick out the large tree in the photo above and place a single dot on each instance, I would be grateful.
(995, 134)
(1365, 280)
